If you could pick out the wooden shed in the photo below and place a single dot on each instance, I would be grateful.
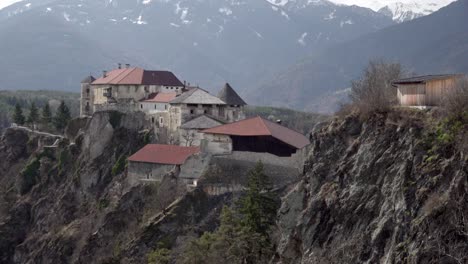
(424, 91)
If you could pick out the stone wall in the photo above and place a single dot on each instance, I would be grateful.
(216, 144)
(234, 168)
(140, 171)
(219, 174)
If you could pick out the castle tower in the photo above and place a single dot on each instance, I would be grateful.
(87, 97)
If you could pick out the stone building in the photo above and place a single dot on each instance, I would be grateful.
(154, 161)
(87, 96)
(190, 132)
(121, 89)
(167, 102)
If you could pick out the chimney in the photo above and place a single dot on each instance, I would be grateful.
(185, 83)
(104, 74)
(127, 65)
(120, 65)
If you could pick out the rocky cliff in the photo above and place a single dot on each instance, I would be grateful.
(69, 200)
(383, 190)
(387, 190)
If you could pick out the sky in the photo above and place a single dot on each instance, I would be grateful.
(5, 3)
(372, 4)
(377, 4)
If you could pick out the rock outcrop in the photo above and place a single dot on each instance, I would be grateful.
(371, 193)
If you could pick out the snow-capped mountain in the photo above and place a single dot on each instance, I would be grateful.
(57, 42)
(400, 10)
(5, 3)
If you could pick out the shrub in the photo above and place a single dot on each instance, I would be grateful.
(374, 91)
(119, 166)
(455, 103)
(29, 176)
(159, 256)
(103, 203)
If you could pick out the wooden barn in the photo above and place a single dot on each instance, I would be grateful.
(424, 91)
(254, 135)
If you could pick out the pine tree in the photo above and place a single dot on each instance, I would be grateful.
(62, 117)
(243, 234)
(33, 114)
(18, 116)
(46, 117)
(258, 207)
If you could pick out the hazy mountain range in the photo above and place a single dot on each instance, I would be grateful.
(437, 43)
(53, 44)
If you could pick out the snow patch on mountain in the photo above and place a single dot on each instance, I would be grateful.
(301, 40)
(7, 3)
(399, 10)
(278, 2)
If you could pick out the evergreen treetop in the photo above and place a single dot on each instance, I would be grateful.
(62, 116)
(46, 114)
(18, 116)
(33, 116)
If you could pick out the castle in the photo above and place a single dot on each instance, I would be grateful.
(177, 110)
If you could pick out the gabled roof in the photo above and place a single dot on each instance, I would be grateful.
(138, 76)
(197, 96)
(229, 96)
(160, 97)
(88, 79)
(425, 78)
(164, 154)
(258, 126)
(202, 122)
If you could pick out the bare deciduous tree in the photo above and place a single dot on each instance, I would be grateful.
(374, 90)
(188, 137)
(455, 102)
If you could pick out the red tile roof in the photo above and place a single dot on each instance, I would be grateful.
(258, 126)
(164, 154)
(160, 97)
(138, 76)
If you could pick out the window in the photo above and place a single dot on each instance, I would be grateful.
(87, 91)
(136, 88)
(155, 106)
(205, 111)
(161, 121)
(165, 107)
(141, 106)
(191, 111)
(152, 120)
(128, 89)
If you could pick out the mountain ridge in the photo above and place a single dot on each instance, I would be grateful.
(205, 42)
(432, 44)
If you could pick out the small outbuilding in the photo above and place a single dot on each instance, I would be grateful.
(253, 135)
(424, 91)
(154, 161)
(190, 132)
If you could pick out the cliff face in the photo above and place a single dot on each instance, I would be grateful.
(372, 193)
(70, 202)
